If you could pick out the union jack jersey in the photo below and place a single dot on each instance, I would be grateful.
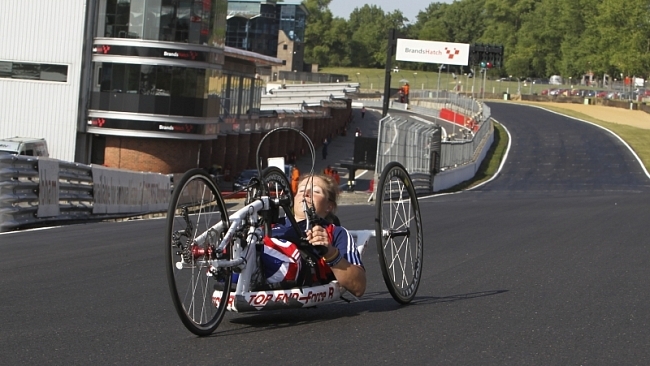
(339, 237)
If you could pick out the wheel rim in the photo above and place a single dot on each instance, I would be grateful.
(196, 208)
(277, 184)
(400, 236)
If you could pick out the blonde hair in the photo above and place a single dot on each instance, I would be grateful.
(331, 191)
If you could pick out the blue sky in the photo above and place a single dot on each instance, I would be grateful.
(343, 8)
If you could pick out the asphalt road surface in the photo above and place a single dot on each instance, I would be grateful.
(548, 264)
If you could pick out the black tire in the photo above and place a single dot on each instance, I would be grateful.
(277, 185)
(398, 229)
(196, 206)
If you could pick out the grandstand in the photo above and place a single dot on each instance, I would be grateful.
(302, 96)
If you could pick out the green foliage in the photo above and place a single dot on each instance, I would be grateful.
(541, 37)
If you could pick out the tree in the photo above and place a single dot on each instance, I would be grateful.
(368, 26)
(620, 33)
(318, 44)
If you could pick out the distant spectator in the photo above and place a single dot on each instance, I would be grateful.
(363, 112)
(406, 93)
(336, 176)
(295, 179)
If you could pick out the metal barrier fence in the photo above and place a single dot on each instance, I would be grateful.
(37, 191)
(415, 145)
(413, 142)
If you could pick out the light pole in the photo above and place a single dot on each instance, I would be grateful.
(484, 71)
(473, 81)
(439, 71)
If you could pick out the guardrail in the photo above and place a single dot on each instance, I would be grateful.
(35, 191)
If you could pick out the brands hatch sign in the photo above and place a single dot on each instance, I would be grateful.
(432, 52)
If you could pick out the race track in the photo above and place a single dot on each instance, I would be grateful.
(545, 265)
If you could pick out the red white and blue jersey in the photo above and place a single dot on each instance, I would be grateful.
(281, 258)
(339, 237)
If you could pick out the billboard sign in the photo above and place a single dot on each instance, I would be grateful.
(432, 52)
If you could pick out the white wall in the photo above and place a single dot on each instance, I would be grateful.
(42, 31)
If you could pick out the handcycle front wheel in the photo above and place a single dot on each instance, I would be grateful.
(276, 185)
(398, 229)
(196, 206)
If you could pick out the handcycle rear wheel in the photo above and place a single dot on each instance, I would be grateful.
(195, 207)
(398, 229)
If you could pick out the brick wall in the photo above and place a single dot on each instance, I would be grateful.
(235, 150)
(154, 155)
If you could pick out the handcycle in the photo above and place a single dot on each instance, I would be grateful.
(205, 247)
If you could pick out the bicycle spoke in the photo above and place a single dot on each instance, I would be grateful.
(400, 244)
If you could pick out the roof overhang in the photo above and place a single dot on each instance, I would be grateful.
(258, 59)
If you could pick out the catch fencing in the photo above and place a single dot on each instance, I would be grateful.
(424, 147)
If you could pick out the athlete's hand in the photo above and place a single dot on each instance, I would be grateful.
(317, 236)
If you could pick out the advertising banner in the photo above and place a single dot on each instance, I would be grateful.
(119, 191)
(432, 52)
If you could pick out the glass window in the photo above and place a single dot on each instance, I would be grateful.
(151, 28)
(147, 80)
(136, 19)
(26, 71)
(187, 21)
(201, 90)
(54, 72)
(178, 81)
(160, 90)
(105, 77)
(118, 84)
(190, 86)
(132, 79)
(33, 71)
(163, 82)
(5, 69)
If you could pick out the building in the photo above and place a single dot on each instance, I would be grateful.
(146, 85)
(271, 28)
(125, 83)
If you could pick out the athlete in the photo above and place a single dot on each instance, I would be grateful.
(341, 256)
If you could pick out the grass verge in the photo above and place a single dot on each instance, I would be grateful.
(637, 138)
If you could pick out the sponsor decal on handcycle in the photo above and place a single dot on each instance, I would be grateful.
(291, 298)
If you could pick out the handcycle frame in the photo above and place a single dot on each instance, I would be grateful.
(205, 245)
